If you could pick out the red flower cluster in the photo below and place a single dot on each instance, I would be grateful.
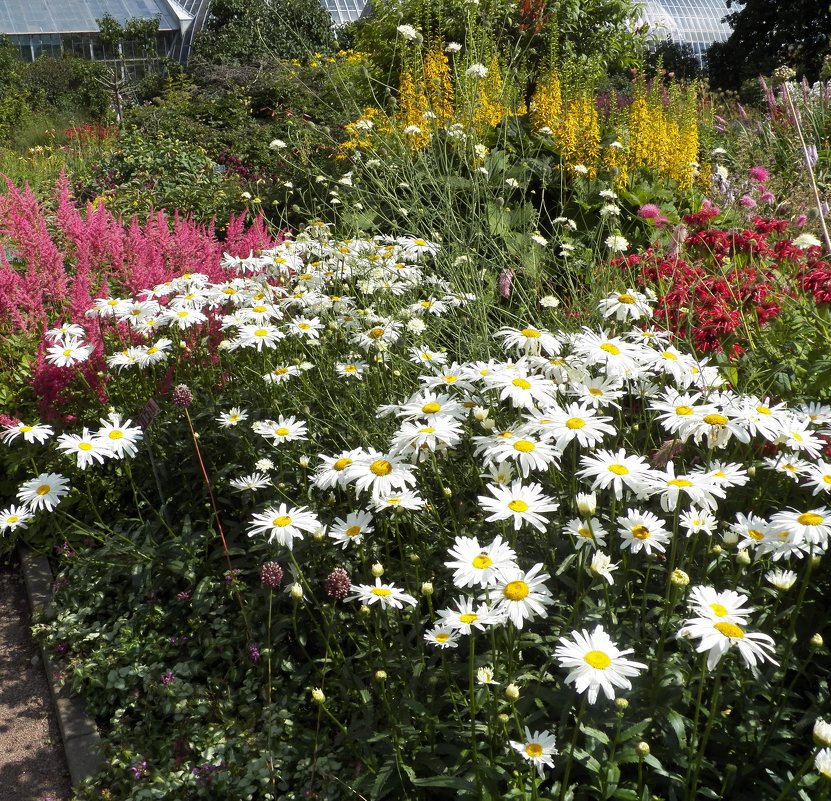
(729, 280)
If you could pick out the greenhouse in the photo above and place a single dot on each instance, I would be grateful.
(697, 23)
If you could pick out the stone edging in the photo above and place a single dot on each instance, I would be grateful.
(81, 741)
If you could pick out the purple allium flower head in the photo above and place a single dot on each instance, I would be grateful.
(338, 584)
(183, 595)
(253, 651)
(182, 396)
(168, 678)
(271, 575)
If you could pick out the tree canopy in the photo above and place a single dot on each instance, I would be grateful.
(247, 31)
(768, 34)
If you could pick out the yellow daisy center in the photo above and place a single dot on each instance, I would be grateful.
(282, 521)
(715, 419)
(303, 326)
(625, 298)
(683, 411)
(524, 446)
(282, 431)
(427, 430)
(679, 482)
(43, 489)
(84, 446)
(376, 333)
(809, 519)
(116, 435)
(755, 534)
(350, 368)
(451, 379)
(610, 348)
(595, 392)
(261, 332)
(382, 592)
(431, 408)
(640, 533)
(516, 590)
(341, 464)
(12, 519)
(763, 410)
(619, 469)
(597, 659)
(530, 333)
(25, 429)
(67, 352)
(151, 351)
(533, 750)
(353, 531)
(443, 637)
(482, 561)
(468, 617)
(719, 610)
(575, 422)
(585, 533)
(518, 506)
(381, 467)
(521, 383)
(671, 356)
(729, 630)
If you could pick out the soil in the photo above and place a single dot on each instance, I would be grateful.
(32, 762)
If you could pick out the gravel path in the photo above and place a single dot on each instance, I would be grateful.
(32, 763)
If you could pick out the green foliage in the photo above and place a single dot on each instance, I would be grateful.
(154, 171)
(13, 94)
(68, 85)
(251, 31)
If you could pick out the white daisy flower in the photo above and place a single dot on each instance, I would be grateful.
(70, 352)
(284, 524)
(519, 503)
(616, 470)
(233, 417)
(121, 439)
(383, 593)
(351, 530)
(86, 448)
(717, 637)
(595, 663)
(381, 474)
(537, 748)
(586, 533)
(253, 481)
(467, 616)
(43, 492)
(442, 636)
(628, 305)
(522, 596)
(475, 565)
(14, 517)
(283, 429)
(642, 531)
(36, 432)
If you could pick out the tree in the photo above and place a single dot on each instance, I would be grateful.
(768, 34)
(13, 94)
(251, 31)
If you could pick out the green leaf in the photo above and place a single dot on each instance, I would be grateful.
(596, 734)
(677, 722)
(452, 782)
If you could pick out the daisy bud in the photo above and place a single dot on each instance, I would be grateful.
(480, 413)
(642, 749)
(622, 704)
(679, 578)
(816, 641)
(364, 610)
(815, 560)
(427, 588)
(730, 537)
(319, 535)
(377, 570)
(296, 592)
(447, 492)
(716, 549)
(304, 461)
(512, 692)
(380, 676)
(743, 557)
(414, 558)
(586, 503)
(318, 696)
(503, 718)
(751, 471)
(822, 733)
(488, 424)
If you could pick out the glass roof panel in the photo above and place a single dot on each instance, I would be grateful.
(70, 16)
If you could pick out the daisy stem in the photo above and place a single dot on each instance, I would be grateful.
(711, 718)
(472, 682)
(208, 486)
(268, 692)
(694, 732)
(572, 744)
(806, 765)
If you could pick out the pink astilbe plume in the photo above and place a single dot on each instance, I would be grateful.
(53, 264)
